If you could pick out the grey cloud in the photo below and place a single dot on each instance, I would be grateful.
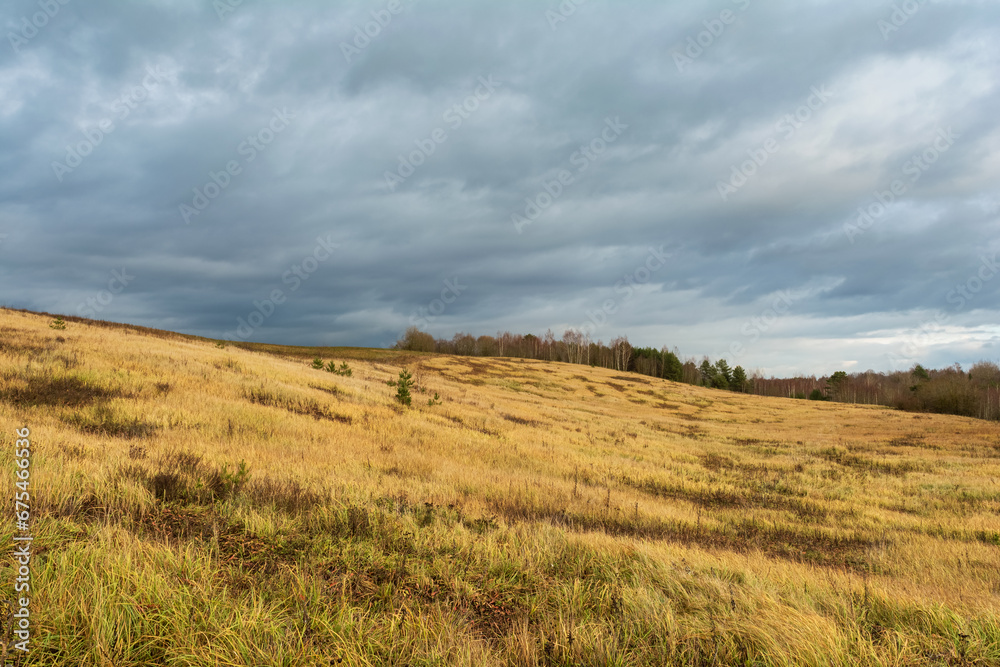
(656, 184)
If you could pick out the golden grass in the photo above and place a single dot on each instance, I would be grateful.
(543, 514)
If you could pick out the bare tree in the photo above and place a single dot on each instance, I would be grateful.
(465, 344)
(549, 344)
(486, 346)
(622, 353)
(574, 341)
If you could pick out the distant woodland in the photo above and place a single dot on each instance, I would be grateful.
(952, 390)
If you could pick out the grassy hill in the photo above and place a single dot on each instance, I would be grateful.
(198, 505)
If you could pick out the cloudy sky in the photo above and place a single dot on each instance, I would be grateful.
(799, 187)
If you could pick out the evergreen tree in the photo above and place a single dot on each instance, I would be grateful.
(724, 376)
(835, 384)
(708, 372)
(672, 367)
(740, 382)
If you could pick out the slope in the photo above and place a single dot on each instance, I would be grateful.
(201, 505)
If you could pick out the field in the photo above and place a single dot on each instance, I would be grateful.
(198, 505)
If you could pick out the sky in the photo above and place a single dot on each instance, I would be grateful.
(798, 187)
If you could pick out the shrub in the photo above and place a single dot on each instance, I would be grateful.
(434, 401)
(232, 482)
(817, 395)
(58, 323)
(331, 367)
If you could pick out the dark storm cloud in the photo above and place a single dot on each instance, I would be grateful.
(217, 154)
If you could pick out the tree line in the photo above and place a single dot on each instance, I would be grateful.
(575, 347)
(951, 390)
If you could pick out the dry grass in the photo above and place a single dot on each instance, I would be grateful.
(199, 505)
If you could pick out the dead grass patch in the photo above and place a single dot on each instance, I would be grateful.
(308, 407)
(66, 391)
(523, 421)
(111, 421)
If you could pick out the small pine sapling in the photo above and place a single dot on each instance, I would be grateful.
(403, 385)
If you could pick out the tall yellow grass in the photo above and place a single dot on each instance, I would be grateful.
(543, 514)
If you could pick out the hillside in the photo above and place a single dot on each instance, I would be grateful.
(198, 505)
